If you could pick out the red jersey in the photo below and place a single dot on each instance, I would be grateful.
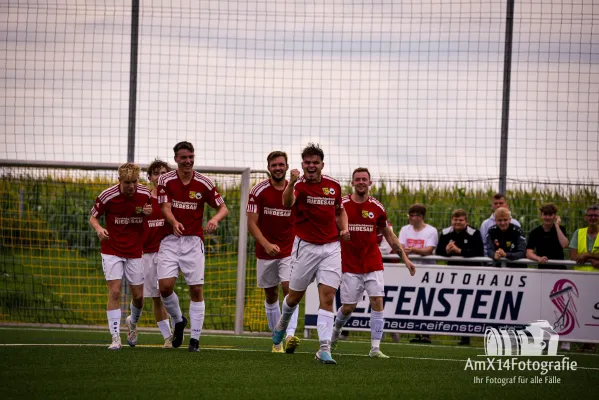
(187, 201)
(315, 206)
(276, 222)
(155, 229)
(124, 220)
(361, 254)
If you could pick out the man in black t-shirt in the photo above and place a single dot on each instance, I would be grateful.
(547, 241)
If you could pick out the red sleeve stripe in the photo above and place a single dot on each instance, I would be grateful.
(332, 179)
(259, 187)
(377, 203)
(204, 180)
(109, 193)
(164, 178)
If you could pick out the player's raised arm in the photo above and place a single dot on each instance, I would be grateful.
(397, 249)
(288, 193)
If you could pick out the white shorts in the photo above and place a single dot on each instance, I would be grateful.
(114, 266)
(270, 273)
(185, 253)
(353, 286)
(150, 263)
(320, 262)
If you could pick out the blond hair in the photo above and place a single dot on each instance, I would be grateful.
(129, 172)
(503, 212)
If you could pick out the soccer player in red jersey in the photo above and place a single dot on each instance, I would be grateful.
(123, 206)
(272, 224)
(316, 255)
(155, 230)
(362, 260)
(182, 194)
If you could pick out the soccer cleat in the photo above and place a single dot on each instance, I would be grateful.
(178, 333)
(335, 339)
(277, 336)
(194, 345)
(168, 342)
(116, 342)
(324, 357)
(132, 332)
(291, 343)
(277, 348)
(377, 354)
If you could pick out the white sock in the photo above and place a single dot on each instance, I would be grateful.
(286, 315)
(273, 313)
(114, 321)
(135, 313)
(324, 326)
(196, 315)
(165, 328)
(377, 324)
(341, 320)
(293, 322)
(171, 303)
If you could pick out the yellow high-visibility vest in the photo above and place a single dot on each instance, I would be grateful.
(582, 248)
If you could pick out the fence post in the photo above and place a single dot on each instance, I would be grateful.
(242, 251)
(133, 80)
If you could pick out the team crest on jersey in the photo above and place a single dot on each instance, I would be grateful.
(328, 191)
(138, 210)
(367, 214)
(195, 195)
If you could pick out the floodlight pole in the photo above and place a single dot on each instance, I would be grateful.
(133, 80)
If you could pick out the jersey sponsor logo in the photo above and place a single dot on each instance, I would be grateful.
(321, 201)
(277, 212)
(156, 223)
(367, 214)
(195, 195)
(328, 191)
(97, 205)
(127, 220)
(162, 191)
(361, 228)
(184, 205)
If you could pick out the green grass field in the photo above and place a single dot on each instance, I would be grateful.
(57, 363)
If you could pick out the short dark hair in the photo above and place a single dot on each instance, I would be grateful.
(183, 146)
(417, 209)
(459, 213)
(361, 169)
(548, 208)
(498, 196)
(157, 164)
(313, 150)
(276, 154)
(594, 207)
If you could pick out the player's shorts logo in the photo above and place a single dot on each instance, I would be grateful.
(138, 210)
(537, 339)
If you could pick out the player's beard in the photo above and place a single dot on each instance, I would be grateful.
(278, 179)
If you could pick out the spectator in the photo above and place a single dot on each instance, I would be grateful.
(547, 241)
(506, 240)
(418, 238)
(498, 201)
(584, 247)
(460, 240)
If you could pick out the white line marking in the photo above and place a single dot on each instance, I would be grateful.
(157, 346)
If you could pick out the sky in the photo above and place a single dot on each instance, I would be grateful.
(409, 89)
